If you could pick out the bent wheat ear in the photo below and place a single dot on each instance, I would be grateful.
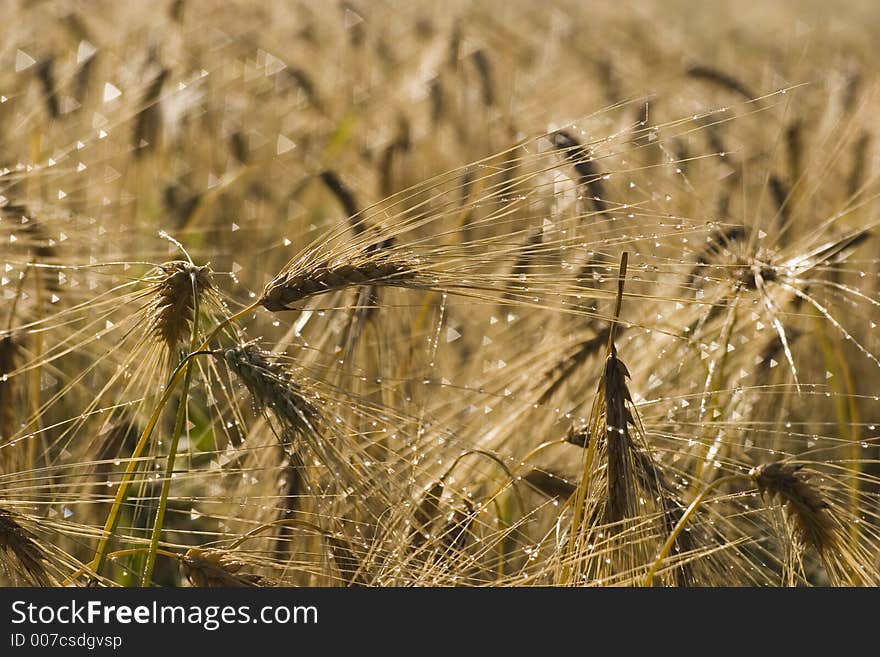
(28, 557)
(272, 388)
(296, 284)
(722, 79)
(215, 568)
(583, 164)
(813, 524)
(173, 307)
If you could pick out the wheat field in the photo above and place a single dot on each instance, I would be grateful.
(463, 294)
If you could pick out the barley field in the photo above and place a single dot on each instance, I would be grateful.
(386, 293)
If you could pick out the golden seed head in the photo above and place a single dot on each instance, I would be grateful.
(814, 525)
(177, 293)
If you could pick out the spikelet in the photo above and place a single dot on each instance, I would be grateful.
(621, 478)
(24, 556)
(295, 284)
(272, 388)
(175, 296)
(812, 523)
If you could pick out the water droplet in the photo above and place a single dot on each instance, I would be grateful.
(111, 92)
(23, 61)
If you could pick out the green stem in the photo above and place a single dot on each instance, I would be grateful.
(166, 483)
(226, 322)
(143, 440)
